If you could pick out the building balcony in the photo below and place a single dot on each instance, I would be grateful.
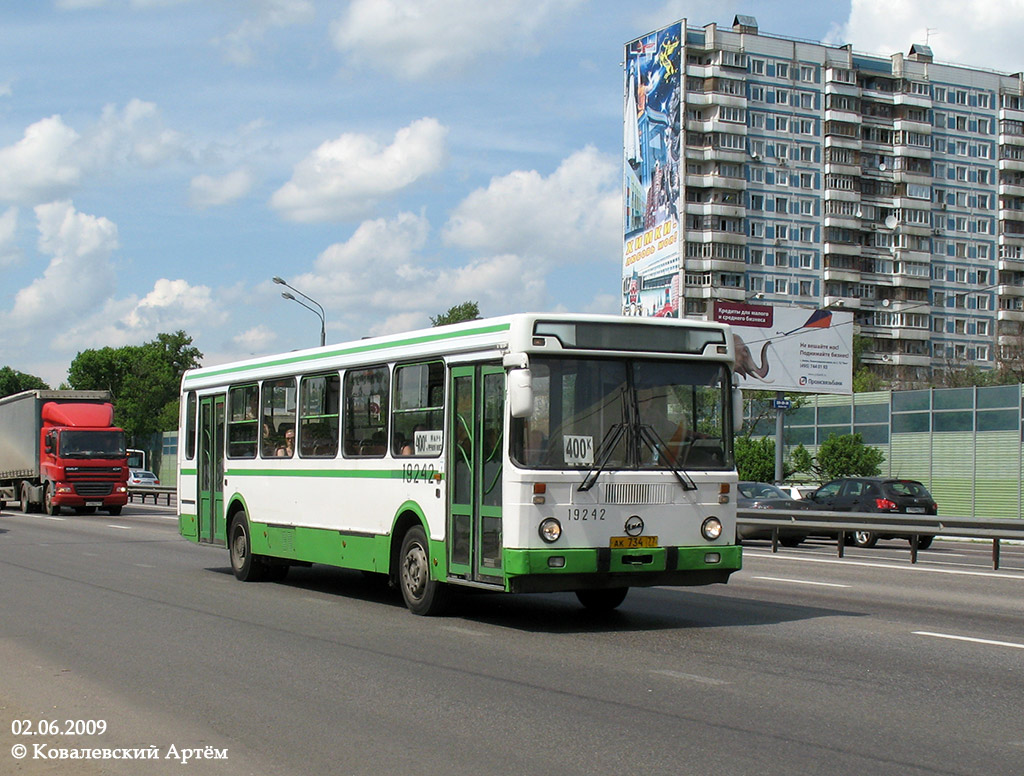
(713, 181)
(842, 195)
(910, 281)
(909, 359)
(846, 116)
(843, 141)
(1011, 189)
(1017, 165)
(714, 265)
(1012, 238)
(841, 168)
(715, 209)
(711, 154)
(841, 302)
(1011, 265)
(1016, 316)
(913, 100)
(842, 249)
(918, 152)
(844, 274)
(842, 221)
(912, 125)
(1009, 291)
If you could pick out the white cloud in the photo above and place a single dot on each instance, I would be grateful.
(255, 340)
(239, 44)
(981, 33)
(41, 164)
(169, 306)
(417, 38)
(207, 191)
(52, 158)
(573, 214)
(79, 276)
(344, 178)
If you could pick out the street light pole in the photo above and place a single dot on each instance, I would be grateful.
(318, 311)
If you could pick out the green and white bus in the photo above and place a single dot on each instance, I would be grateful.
(529, 453)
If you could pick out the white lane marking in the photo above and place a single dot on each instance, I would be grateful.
(907, 567)
(122, 527)
(691, 677)
(463, 631)
(55, 518)
(801, 582)
(953, 637)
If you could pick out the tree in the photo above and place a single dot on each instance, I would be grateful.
(755, 459)
(144, 380)
(12, 381)
(467, 311)
(843, 455)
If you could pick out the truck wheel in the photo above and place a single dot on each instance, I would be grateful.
(26, 504)
(422, 594)
(246, 566)
(115, 511)
(51, 508)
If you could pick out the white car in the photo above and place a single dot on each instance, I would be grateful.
(142, 477)
(798, 491)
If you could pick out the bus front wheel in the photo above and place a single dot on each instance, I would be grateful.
(602, 600)
(246, 566)
(423, 595)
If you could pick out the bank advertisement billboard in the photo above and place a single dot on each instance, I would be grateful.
(652, 146)
(795, 349)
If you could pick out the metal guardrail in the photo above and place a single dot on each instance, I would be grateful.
(154, 491)
(914, 526)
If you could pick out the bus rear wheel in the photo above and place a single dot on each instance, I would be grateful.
(246, 566)
(602, 600)
(422, 594)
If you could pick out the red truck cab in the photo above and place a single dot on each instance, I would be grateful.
(82, 457)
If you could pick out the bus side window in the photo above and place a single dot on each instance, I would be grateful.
(366, 412)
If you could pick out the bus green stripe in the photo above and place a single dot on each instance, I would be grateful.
(349, 474)
(369, 348)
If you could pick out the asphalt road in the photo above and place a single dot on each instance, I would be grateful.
(804, 664)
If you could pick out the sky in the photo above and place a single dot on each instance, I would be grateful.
(162, 160)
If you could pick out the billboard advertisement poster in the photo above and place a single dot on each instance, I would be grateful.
(793, 349)
(651, 173)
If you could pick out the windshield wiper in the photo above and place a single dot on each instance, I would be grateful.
(604, 452)
(648, 434)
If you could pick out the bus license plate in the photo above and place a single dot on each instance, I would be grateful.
(633, 542)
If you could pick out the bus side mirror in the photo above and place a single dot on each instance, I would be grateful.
(737, 409)
(520, 393)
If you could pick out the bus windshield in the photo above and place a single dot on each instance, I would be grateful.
(92, 444)
(624, 414)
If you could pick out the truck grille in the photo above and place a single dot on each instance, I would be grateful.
(94, 488)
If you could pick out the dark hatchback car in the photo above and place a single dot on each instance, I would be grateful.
(762, 495)
(876, 494)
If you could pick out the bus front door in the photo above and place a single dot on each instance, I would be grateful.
(211, 470)
(475, 457)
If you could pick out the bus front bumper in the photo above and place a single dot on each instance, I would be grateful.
(549, 570)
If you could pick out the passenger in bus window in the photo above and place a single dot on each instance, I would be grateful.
(287, 450)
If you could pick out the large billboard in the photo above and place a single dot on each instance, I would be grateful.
(651, 173)
(793, 349)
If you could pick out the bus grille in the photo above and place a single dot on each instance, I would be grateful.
(94, 488)
(631, 493)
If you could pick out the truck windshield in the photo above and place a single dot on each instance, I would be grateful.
(624, 414)
(92, 444)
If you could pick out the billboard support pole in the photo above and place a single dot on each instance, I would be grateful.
(779, 416)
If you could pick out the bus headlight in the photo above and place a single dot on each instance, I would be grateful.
(550, 529)
(711, 528)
